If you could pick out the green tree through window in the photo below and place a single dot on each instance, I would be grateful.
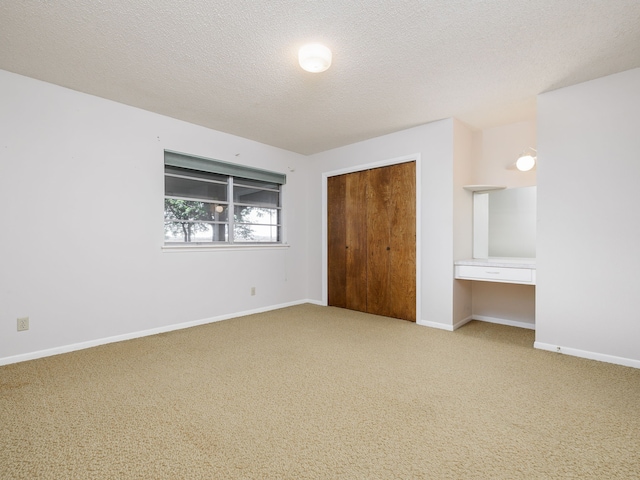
(181, 218)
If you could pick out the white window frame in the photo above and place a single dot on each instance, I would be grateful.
(226, 170)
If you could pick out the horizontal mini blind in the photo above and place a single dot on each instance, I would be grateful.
(192, 162)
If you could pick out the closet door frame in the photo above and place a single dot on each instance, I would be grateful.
(384, 163)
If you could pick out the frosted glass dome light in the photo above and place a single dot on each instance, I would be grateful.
(525, 163)
(314, 57)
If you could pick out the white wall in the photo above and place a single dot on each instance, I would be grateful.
(588, 219)
(81, 189)
(462, 218)
(434, 143)
(496, 149)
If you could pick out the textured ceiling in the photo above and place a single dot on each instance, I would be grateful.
(231, 65)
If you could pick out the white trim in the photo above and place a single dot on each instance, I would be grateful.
(143, 333)
(418, 160)
(480, 225)
(463, 322)
(191, 247)
(505, 321)
(444, 326)
(415, 157)
(438, 325)
(224, 246)
(601, 357)
(378, 164)
(325, 245)
(481, 318)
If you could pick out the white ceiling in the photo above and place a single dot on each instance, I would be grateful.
(231, 65)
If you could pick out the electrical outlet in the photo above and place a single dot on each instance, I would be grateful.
(253, 291)
(23, 324)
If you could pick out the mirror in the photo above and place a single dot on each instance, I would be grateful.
(504, 223)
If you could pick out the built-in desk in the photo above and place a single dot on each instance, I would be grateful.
(497, 269)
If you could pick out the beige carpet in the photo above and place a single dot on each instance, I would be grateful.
(316, 392)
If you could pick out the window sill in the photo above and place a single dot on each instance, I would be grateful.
(202, 247)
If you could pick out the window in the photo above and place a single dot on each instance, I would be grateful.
(208, 201)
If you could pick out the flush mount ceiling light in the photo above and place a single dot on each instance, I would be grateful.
(314, 57)
(526, 161)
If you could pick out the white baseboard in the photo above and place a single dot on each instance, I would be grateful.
(440, 326)
(143, 333)
(482, 318)
(504, 321)
(601, 357)
(627, 362)
(462, 322)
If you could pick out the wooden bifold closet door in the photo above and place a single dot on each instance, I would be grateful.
(372, 241)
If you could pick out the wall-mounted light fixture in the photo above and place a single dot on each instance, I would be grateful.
(314, 57)
(526, 161)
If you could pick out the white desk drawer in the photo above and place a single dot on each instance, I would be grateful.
(495, 274)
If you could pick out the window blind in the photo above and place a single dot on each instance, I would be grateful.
(203, 164)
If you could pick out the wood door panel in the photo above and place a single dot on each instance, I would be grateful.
(336, 241)
(402, 288)
(391, 283)
(371, 241)
(356, 243)
(378, 242)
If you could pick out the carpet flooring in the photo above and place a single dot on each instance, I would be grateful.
(312, 392)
